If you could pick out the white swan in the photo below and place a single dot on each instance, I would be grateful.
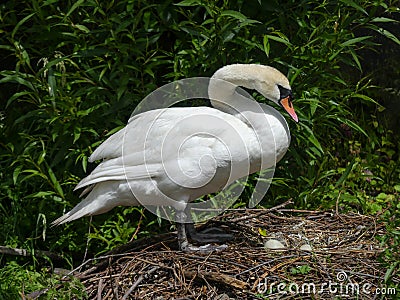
(136, 170)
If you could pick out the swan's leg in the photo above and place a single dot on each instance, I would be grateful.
(184, 244)
(182, 236)
(208, 235)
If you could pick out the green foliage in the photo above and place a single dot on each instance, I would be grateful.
(19, 281)
(391, 241)
(73, 71)
(303, 269)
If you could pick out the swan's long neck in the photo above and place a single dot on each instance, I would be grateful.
(268, 124)
(222, 87)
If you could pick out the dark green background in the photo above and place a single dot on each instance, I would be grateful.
(71, 73)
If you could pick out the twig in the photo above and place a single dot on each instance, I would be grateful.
(263, 211)
(137, 282)
(100, 289)
(276, 267)
(112, 282)
(216, 259)
(265, 263)
(337, 203)
(153, 263)
(108, 294)
(26, 253)
(87, 241)
(300, 211)
(217, 277)
(137, 228)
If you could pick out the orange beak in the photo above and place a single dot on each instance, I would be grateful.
(288, 106)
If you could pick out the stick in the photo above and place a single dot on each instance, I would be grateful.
(263, 211)
(217, 277)
(137, 282)
(278, 266)
(137, 228)
(26, 253)
(100, 289)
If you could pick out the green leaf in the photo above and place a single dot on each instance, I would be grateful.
(51, 81)
(385, 33)
(314, 104)
(84, 163)
(234, 14)
(6, 47)
(82, 28)
(262, 231)
(17, 79)
(28, 115)
(354, 41)
(383, 20)
(390, 270)
(49, 2)
(75, 6)
(16, 173)
(335, 54)
(188, 3)
(77, 134)
(32, 173)
(354, 5)
(352, 125)
(356, 60)
(24, 56)
(17, 96)
(41, 157)
(365, 97)
(55, 182)
(20, 23)
(345, 174)
(266, 45)
(40, 194)
(311, 137)
(237, 15)
(83, 113)
(279, 39)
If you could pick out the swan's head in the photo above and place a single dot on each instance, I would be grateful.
(267, 80)
(274, 86)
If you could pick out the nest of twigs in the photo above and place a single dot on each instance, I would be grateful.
(325, 255)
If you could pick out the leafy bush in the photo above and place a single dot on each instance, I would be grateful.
(19, 281)
(74, 71)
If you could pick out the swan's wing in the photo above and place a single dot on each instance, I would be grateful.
(119, 169)
(146, 131)
(175, 137)
(134, 152)
(133, 136)
(110, 148)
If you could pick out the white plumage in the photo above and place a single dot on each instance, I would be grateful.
(185, 153)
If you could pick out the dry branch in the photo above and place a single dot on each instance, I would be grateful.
(217, 278)
(26, 253)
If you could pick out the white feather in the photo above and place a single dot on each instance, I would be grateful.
(135, 165)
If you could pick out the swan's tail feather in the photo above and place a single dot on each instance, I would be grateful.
(76, 213)
(100, 199)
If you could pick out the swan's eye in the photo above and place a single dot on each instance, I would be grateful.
(284, 92)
